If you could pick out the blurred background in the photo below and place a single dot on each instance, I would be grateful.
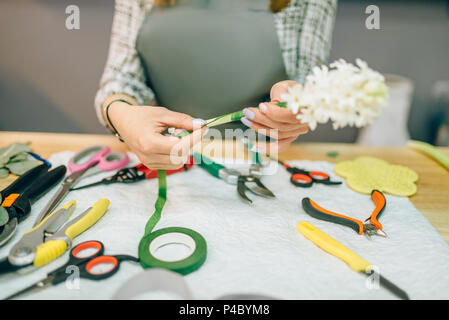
(49, 75)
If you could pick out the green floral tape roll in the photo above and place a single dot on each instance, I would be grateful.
(153, 240)
(159, 238)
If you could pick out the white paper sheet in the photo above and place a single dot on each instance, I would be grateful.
(254, 249)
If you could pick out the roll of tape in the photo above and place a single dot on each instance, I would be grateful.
(150, 243)
(151, 281)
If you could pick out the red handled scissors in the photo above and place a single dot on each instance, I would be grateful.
(89, 259)
(305, 179)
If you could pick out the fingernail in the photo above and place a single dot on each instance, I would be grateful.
(198, 122)
(263, 108)
(206, 130)
(246, 122)
(248, 113)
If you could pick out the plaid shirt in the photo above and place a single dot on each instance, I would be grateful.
(304, 30)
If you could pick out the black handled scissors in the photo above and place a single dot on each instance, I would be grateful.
(305, 179)
(88, 257)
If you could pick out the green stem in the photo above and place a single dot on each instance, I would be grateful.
(227, 118)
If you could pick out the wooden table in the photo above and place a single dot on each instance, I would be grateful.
(432, 198)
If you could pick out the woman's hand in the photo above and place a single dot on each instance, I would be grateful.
(274, 121)
(141, 128)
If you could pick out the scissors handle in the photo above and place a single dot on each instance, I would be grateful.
(87, 158)
(88, 256)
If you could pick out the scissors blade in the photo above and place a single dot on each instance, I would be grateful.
(8, 231)
(38, 286)
(67, 184)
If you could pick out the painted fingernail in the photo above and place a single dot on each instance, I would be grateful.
(198, 122)
(263, 108)
(246, 122)
(248, 113)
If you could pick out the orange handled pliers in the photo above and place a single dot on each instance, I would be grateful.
(371, 226)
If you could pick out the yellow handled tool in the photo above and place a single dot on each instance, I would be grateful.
(58, 243)
(354, 261)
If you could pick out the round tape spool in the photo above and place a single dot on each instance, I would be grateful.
(159, 238)
(153, 280)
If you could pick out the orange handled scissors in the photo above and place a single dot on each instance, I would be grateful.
(371, 226)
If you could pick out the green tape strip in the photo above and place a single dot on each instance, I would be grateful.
(148, 260)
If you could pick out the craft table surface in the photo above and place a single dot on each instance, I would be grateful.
(432, 198)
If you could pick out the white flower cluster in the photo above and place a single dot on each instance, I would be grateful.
(345, 94)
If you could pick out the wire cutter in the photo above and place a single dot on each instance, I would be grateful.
(134, 174)
(17, 198)
(52, 237)
(244, 182)
(373, 227)
(305, 179)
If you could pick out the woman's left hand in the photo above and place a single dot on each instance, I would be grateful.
(274, 121)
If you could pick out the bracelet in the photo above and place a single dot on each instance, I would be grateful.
(109, 123)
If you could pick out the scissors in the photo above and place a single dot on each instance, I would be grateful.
(99, 157)
(134, 174)
(305, 179)
(92, 264)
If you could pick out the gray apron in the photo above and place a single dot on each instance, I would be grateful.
(211, 57)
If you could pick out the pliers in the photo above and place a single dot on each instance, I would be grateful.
(371, 226)
(17, 198)
(244, 182)
(51, 237)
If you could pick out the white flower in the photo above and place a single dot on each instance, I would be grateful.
(345, 94)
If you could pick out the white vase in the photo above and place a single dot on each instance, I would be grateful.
(390, 129)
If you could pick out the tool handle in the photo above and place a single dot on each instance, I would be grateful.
(45, 183)
(208, 164)
(49, 251)
(20, 184)
(380, 202)
(87, 219)
(431, 151)
(332, 246)
(314, 210)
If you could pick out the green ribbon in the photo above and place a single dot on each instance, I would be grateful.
(148, 260)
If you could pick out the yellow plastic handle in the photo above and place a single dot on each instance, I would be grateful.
(69, 206)
(332, 246)
(89, 219)
(49, 251)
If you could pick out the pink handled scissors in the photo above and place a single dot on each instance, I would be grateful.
(85, 163)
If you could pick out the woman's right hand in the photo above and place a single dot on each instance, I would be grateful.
(141, 128)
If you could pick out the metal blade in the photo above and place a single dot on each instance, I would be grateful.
(38, 286)
(59, 195)
(8, 231)
(241, 188)
(88, 185)
(390, 286)
(24, 251)
(260, 189)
